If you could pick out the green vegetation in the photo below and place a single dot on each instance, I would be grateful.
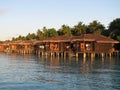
(113, 31)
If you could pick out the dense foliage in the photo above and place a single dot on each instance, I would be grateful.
(113, 31)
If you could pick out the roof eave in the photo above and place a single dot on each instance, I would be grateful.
(115, 42)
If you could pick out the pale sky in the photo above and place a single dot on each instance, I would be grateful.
(20, 17)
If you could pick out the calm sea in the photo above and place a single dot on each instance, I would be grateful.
(30, 72)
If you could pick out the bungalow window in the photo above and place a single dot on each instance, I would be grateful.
(25, 46)
(42, 47)
(88, 47)
(54, 46)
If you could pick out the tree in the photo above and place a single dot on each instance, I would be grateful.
(13, 39)
(30, 36)
(39, 34)
(79, 29)
(114, 29)
(45, 32)
(105, 32)
(65, 30)
(95, 27)
(19, 38)
(52, 32)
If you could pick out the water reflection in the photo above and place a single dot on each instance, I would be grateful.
(20, 71)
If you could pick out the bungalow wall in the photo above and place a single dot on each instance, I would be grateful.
(39, 47)
(92, 46)
(25, 48)
(103, 47)
(1, 48)
(6, 48)
(28, 47)
(58, 46)
(82, 46)
(13, 47)
(75, 47)
(66, 47)
(47, 46)
(54, 47)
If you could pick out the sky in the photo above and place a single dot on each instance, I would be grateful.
(20, 17)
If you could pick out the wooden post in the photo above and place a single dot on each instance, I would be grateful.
(58, 54)
(51, 53)
(64, 54)
(117, 53)
(110, 54)
(84, 55)
(42, 53)
(92, 55)
(102, 54)
(70, 54)
(76, 55)
(39, 52)
(46, 53)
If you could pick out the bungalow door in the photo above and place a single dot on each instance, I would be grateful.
(82, 47)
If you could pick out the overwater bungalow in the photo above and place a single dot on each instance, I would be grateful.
(84, 44)
(94, 44)
(1, 46)
(4, 47)
(54, 45)
(25, 47)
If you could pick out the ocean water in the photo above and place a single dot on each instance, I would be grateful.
(30, 72)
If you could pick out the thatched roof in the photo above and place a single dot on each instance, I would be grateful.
(99, 38)
(22, 42)
(58, 39)
(81, 38)
(85, 37)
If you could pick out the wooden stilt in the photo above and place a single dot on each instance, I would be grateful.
(110, 54)
(64, 54)
(42, 53)
(39, 52)
(51, 54)
(76, 55)
(58, 54)
(46, 54)
(117, 53)
(102, 54)
(70, 54)
(92, 55)
(84, 55)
